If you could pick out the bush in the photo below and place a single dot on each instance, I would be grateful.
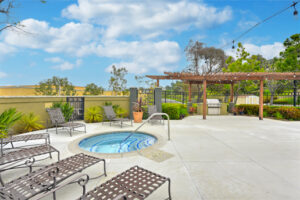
(66, 109)
(175, 110)
(94, 114)
(29, 122)
(286, 101)
(278, 112)
(7, 119)
(145, 113)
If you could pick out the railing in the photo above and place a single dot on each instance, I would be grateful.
(154, 114)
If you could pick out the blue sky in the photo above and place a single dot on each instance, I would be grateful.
(81, 39)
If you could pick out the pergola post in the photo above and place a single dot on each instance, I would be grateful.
(231, 92)
(261, 100)
(157, 82)
(204, 99)
(190, 92)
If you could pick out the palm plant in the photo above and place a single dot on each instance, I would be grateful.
(7, 119)
(94, 114)
(30, 122)
(66, 109)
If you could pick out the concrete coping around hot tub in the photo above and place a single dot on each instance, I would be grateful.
(74, 145)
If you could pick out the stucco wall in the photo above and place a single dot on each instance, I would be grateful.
(38, 104)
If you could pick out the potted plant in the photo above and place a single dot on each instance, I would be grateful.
(137, 111)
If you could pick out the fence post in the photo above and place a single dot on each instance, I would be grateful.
(133, 98)
(295, 93)
(157, 99)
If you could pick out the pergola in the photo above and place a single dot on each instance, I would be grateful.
(226, 78)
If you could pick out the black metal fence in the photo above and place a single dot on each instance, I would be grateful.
(147, 96)
(281, 99)
(78, 104)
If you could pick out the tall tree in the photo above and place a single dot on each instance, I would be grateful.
(243, 62)
(93, 89)
(289, 60)
(55, 86)
(143, 81)
(204, 60)
(6, 20)
(117, 81)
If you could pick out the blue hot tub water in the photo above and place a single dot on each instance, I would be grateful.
(114, 142)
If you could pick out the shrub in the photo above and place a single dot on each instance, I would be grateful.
(66, 109)
(175, 110)
(278, 112)
(286, 101)
(7, 119)
(145, 113)
(94, 114)
(29, 122)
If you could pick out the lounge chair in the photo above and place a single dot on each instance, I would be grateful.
(58, 120)
(135, 183)
(112, 117)
(151, 110)
(47, 180)
(24, 157)
(23, 138)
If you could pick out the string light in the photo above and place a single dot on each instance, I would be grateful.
(295, 13)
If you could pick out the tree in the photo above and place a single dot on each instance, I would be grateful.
(56, 86)
(117, 81)
(204, 60)
(274, 86)
(144, 81)
(289, 60)
(244, 62)
(5, 9)
(93, 89)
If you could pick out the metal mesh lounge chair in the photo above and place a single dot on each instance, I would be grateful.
(151, 110)
(24, 157)
(48, 179)
(58, 120)
(135, 183)
(23, 138)
(112, 117)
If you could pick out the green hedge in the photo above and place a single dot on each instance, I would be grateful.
(289, 101)
(175, 110)
(278, 112)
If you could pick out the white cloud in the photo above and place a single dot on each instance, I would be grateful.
(66, 39)
(6, 49)
(63, 65)
(268, 51)
(148, 18)
(3, 75)
(142, 57)
(71, 39)
(54, 59)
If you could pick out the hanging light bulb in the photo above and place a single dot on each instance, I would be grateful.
(295, 10)
(233, 47)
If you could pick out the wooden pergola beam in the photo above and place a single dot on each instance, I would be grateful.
(228, 78)
(261, 100)
(204, 100)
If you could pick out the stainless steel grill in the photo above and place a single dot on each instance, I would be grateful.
(213, 107)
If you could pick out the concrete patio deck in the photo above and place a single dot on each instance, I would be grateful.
(221, 158)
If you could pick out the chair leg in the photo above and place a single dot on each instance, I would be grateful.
(121, 124)
(56, 129)
(169, 189)
(12, 145)
(71, 132)
(1, 181)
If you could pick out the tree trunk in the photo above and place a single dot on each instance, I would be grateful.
(199, 93)
(272, 98)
